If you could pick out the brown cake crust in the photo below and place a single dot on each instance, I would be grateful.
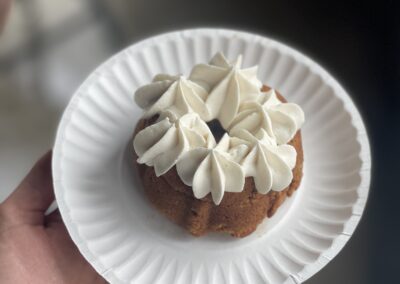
(238, 214)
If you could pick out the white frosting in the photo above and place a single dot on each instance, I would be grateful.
(259, 127)
(161, 144)
(211, 170)
(268, 163)
(174, 95)
(280, 120)
(229, 86)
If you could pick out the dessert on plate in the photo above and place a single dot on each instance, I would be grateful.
(218, 150)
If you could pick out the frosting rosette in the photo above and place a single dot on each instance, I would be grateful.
(174, 95)
(280, 120)
(268, 163)
(211, 170)
(229, 85)
(161, 145)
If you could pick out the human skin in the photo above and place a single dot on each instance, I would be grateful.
(4, 10)
(35, 248)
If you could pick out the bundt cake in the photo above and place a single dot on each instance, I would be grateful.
(217, 151)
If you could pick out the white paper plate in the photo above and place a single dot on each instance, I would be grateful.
(126, 240)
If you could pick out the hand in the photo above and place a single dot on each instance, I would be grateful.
(35, 248)
(4, 9)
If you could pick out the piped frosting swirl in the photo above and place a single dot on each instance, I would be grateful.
(229, 86)
(280, 120)
(173, 95)
(268, 163)
(162, 144)
(211, 170)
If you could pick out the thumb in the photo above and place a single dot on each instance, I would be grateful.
(27, 204)
(5, 6)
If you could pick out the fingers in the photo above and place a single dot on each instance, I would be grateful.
(34, 195)
(54, 217)
(4, 10)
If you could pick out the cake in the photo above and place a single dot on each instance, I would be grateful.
(217, 151)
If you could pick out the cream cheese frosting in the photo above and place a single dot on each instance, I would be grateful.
(229, 86)
(268, 163)
(173, 94)
(162, 144)
(280, 120)
(211, 170)
(257, 123)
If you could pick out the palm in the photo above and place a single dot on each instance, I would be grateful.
(35, 248)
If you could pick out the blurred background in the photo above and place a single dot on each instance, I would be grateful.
(48, 47)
